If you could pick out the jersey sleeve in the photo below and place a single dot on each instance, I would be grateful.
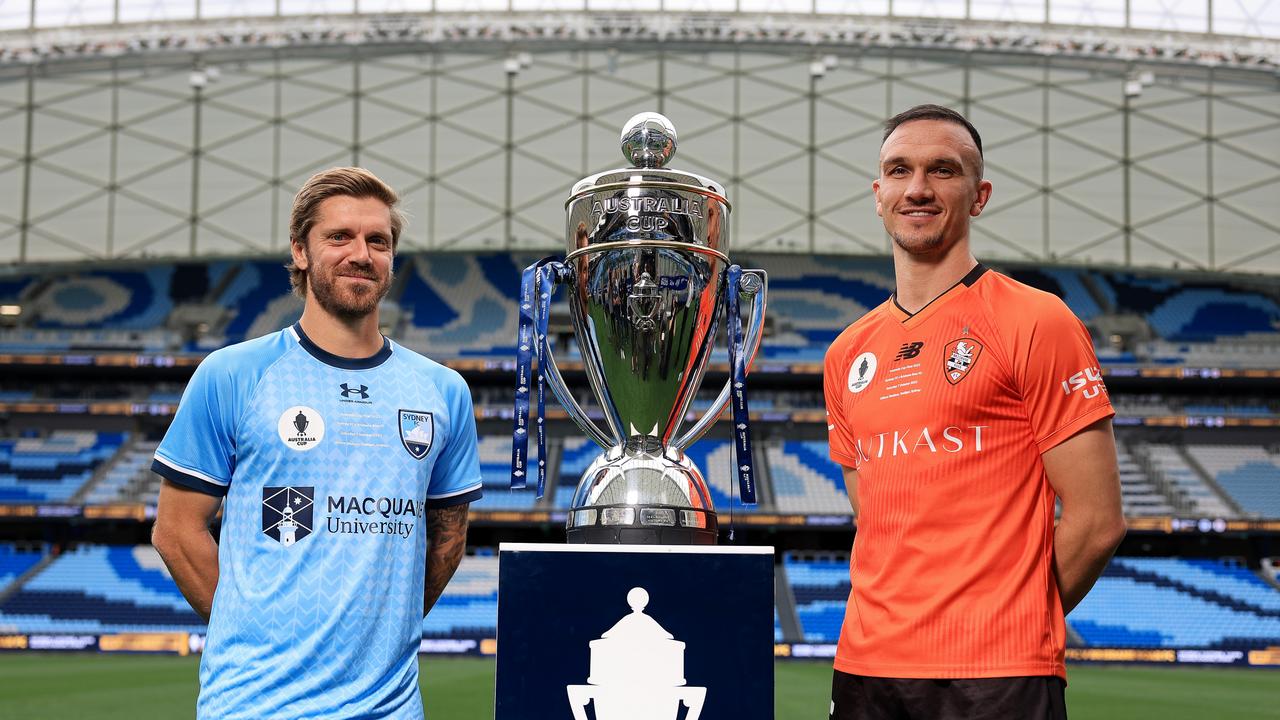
(839, 435)
(1058, 374)
(199, 449)
(456, 478)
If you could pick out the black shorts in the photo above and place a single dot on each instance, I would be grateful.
(858, 697)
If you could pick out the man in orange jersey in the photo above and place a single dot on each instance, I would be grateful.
(960, 409)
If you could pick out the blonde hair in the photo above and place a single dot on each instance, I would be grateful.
(335, 182)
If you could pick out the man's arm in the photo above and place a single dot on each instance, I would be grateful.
(1084, 474)
(851, 486)
(446, 543)
(181, 536)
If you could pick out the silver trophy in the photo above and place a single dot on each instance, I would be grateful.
(648, 275)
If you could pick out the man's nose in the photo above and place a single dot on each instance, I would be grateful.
(359, 250)
(918, 190)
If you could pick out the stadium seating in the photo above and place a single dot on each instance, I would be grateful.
(821, 589)
(462, 305)
(495, 468)
(1173, 602)
(53, 468)
(129, 478)
(104, 588)
(469, 605)
(259, 296)
(1187, 488)
(805, 479)
(14, 562)
(1248, 473)
(1138, 494)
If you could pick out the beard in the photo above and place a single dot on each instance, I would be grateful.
(919, 245)
(348, 302)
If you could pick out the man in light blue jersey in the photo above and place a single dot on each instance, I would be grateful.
(346, 464)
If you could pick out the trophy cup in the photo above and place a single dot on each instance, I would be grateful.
(649, 279)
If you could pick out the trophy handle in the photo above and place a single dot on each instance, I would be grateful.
(579, 696)
(556, 381)
(755, 284)
(693, 699)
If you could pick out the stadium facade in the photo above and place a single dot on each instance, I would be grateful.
(1136, 133)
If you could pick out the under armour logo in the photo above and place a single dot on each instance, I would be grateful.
(362, 391)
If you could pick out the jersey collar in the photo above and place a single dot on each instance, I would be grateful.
(904, 317)
(343, 363)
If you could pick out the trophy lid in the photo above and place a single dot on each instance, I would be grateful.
(648, 141)
(637, 625)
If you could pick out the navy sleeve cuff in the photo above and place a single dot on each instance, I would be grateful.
(188, 481)
(452, 500)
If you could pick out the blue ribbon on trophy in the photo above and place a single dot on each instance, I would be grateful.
(536, 286)
(744, 467)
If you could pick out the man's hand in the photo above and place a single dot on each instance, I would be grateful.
(1083, 472)
(181, 536)
(446, 544)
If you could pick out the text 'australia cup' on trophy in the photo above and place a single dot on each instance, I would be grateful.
(649, 282)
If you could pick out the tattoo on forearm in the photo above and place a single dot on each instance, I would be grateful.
(446, 543)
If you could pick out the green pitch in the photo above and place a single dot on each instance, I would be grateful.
(131, 687)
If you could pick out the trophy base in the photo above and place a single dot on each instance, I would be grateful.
(702, 529)
(641, 495)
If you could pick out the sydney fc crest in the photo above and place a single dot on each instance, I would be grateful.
(286, 513)
(417, 431)
(959, 357)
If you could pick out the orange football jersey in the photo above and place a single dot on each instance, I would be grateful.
(944, 414)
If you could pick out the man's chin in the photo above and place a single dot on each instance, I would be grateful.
(919, 245)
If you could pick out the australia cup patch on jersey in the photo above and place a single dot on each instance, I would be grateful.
(301, 428)
(861, 372)
(287, 513)
(417, 431)
(959, 357)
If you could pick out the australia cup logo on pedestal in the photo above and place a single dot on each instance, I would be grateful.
(649, 281)
(637, 672)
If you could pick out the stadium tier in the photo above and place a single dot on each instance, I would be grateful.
(455, 305)
(820, 588)
(1248, 473)
(52, 468)
(96, 589)
(1174, 602)
(14, 562)
(805, 479)
(469, 605)
(495, 467)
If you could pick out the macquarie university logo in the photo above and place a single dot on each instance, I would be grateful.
(301, 428)
(417, 431)
(287, 513)
(959, 357)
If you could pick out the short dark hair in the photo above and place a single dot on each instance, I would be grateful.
(335, 182)
(932, 112)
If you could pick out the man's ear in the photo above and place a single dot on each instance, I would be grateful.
(299, 252)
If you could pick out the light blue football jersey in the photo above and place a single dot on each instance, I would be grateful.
(328, 466)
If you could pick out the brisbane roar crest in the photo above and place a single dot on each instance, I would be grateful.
(958, 358)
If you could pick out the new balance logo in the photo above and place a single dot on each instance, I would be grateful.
(908, 350)
(362, 392)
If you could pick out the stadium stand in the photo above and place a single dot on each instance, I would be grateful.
(1174, 602)
(14, 562)
(1248, 473)
(462, 305)
(495, 468)
(52, 468)
(101, 588)
(469, 605)
(128, 478)
(1187, 489)
(1138, 494)
(821, 589)
(805, 479)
